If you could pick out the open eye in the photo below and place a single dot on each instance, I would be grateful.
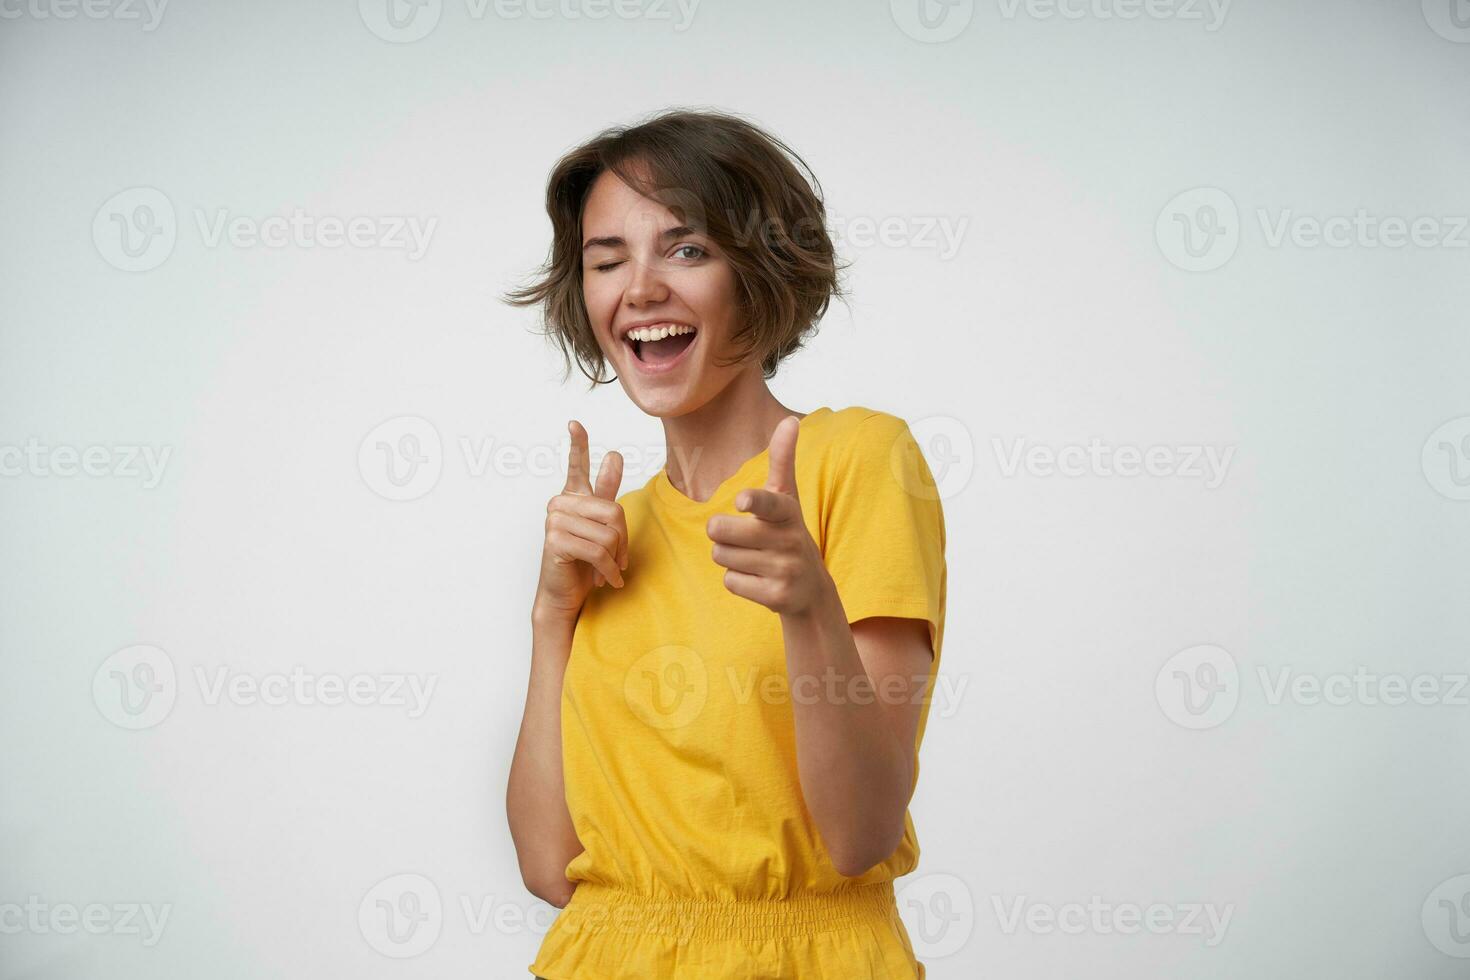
(701, 252)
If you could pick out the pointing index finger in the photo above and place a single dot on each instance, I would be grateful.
(579, 465)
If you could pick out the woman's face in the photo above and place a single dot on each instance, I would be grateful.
(642, 271)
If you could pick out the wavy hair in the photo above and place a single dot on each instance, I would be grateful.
(727, 179)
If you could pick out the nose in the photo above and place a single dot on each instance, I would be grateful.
(647, 283)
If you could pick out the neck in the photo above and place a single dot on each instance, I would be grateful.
(706, 446)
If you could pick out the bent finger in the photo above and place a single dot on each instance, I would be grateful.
(567, 544)
(752, 561)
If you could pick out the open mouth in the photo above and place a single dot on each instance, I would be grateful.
(661, 345)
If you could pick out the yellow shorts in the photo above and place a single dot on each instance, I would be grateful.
(607, 933)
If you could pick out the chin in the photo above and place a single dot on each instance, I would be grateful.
(664, 404)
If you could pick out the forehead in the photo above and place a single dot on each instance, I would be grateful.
(613, 208)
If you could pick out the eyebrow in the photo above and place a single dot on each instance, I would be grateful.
(616, 241)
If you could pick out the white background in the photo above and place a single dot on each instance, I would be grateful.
(1059, 140)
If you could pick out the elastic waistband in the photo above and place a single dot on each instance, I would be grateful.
(597, 907)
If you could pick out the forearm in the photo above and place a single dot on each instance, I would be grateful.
(855, 775)
(536, 805)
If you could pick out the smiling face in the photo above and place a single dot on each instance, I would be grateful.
(661, 299)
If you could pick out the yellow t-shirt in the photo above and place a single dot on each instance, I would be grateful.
(678, 738)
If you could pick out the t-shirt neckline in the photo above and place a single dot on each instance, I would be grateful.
(671, 495)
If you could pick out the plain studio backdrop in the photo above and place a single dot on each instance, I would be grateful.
(1172, 293)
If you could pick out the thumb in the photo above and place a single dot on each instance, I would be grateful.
(782, 473)
(610, 475)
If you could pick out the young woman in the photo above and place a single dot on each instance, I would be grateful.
(730, 664)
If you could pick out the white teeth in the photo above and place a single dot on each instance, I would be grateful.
(650, 334)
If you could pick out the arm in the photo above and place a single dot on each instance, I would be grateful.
(535, 798)
(586, 547)
(856, 694)
(857, 691)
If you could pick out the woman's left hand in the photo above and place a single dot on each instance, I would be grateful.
(770, 557)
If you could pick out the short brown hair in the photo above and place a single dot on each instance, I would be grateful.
(724, 177)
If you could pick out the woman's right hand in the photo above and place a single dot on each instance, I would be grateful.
(586, 532)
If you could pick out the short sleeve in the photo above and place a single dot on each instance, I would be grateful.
(883, 540)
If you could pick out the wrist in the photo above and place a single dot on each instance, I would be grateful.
(550, 618)
(822, 602)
